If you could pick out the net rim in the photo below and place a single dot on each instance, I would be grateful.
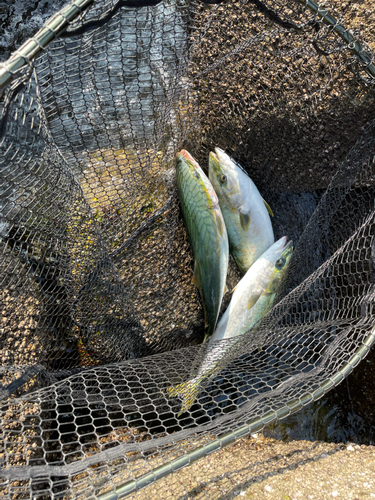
(250, 427)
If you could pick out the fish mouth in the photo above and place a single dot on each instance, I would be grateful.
(285, 246)
(219, 151)
(214, 164)
(187, 156)
(225, 160)
(221, 161)
(287, 243)
(213, 155)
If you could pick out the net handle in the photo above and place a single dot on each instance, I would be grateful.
(33, 46)
(353, 45)
(54, 27)
(249, 428)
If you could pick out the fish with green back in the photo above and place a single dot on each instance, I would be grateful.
(245, 212)
(252, 298)
(207, 234)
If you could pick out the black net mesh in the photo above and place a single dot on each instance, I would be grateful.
(99, 312)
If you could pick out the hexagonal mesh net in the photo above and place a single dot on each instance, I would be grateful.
(99, 312)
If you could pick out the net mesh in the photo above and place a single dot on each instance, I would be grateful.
(99, 312)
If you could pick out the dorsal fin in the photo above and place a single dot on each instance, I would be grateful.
(269, 209)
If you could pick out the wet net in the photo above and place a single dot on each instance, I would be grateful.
(99, 312)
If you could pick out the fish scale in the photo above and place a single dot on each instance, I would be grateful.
(207, 235)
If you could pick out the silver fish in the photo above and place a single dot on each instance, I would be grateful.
(245, 212)
(252, 299)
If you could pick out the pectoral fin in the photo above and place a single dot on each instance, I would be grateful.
(252, 300)
(220, 224)
(269, 209)
(245, 221)
(225, 289)
(196, 277)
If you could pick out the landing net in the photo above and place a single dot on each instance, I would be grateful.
(99, 312)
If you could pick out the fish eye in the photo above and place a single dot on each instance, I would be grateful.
(279, 264)
(223, 178)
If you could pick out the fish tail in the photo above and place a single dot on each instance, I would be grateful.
(188, 391)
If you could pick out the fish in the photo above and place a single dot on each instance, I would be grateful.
(252, 298)
(246, 214)
(207, 235)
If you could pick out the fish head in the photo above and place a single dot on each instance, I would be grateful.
(276, 262)
(185, 155)
(186, 161)
(229, 181)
